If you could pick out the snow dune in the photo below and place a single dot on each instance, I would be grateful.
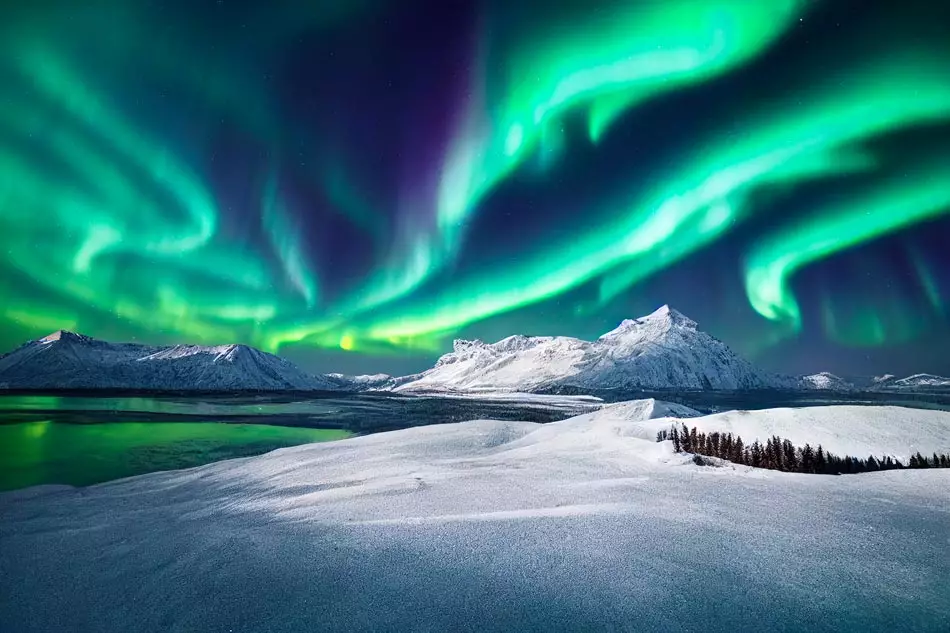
(584, 524)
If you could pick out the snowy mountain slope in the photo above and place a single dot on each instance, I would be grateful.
(825, 381)
(883, 380)
(64, 360)
(477, 525)
(917, 381)
(663, 350)
(361, 382)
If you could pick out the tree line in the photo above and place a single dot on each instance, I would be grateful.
(780, 454)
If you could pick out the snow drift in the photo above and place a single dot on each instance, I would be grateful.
(584, 524)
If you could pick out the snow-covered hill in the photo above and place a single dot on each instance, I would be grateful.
(825, 381)
(917, 381)
(843, 429)
(64, 360)
(663, 350)
(585, 524)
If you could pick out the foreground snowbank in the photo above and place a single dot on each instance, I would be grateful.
(585, 524)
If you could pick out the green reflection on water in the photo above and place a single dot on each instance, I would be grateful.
(186, 406)
(36, 453)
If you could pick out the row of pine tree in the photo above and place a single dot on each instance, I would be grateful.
(780, 454)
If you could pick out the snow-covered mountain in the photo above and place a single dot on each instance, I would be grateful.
(65, 360)
(663, 350)
(825, 381)
(877, 381)
(362, 382)
(917, 381)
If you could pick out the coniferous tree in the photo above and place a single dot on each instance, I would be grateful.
(780, 454)
(756, 454)
(821, 464)
(808, 459)
(789, 455)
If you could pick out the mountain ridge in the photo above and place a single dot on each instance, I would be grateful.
(67, 360)
(664, 349)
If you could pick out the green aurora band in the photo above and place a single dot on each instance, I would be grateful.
(896, 203)
(611, 60)
(107, 221)
(787, 144)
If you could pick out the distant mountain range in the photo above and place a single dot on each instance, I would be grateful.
(64, 360)
(917, 381)
(663, 350)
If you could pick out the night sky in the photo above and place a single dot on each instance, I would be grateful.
(354, 183)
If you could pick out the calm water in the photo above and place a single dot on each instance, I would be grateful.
(33, 453)
(82, 440)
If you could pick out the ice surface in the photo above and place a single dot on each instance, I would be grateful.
(584, 524)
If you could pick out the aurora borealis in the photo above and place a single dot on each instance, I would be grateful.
(354, 184)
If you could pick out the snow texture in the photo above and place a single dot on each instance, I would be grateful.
(64, 360)
(585, 524)
(663, 350)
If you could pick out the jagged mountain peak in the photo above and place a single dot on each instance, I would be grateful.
(663, 319)
(663, 350)
(461, 345)
(670, 315)
(65, 335)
